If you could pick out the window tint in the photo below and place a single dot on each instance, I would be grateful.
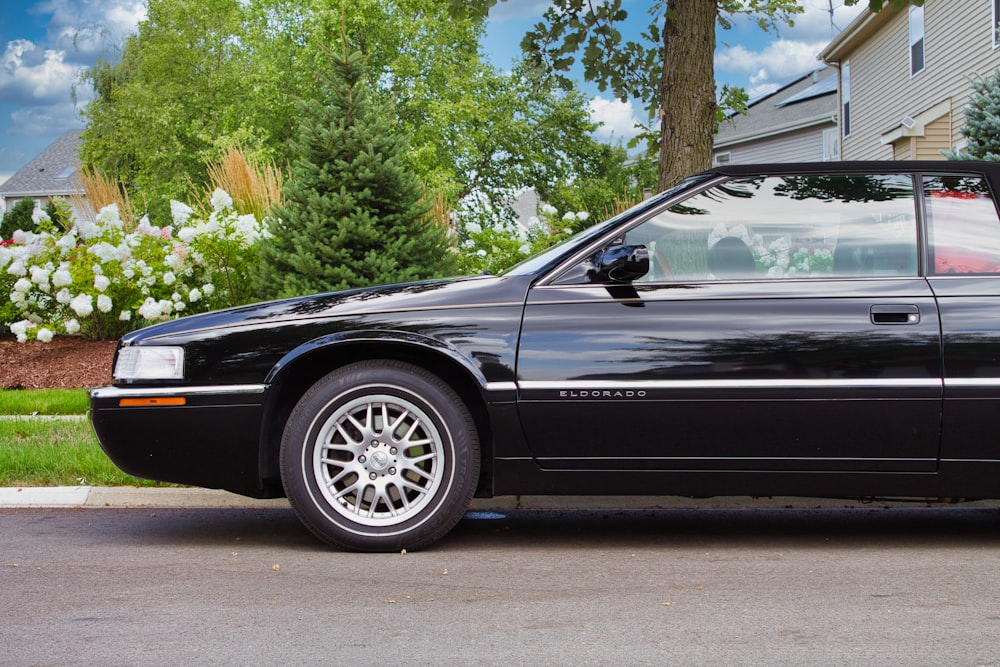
(962, 225)
(785, 227)
(916, 40)
(845, 98)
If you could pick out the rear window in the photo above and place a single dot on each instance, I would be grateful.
(962, 225)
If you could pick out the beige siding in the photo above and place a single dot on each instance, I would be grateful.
(936, 140)
(958, 46)
(802, 146)
(902, 149)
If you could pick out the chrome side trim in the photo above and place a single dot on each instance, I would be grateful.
(501, 386)
(150, 392)
(972, 382)
(577, 385)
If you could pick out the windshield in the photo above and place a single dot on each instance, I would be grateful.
(540, 261)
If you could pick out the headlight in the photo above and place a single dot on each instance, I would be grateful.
(150, 363)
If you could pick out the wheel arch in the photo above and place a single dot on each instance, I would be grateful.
(306, 364)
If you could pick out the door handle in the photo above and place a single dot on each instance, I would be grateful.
(895, 314)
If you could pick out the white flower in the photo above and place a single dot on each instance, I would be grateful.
(23, 285)
(248, 228)
(173, 261)
(82, 305)
(569, 216)
(109, 217)
(194, 295)
(582, 215)
(104, 303)
(178, 306)
(72, 326)
(68, 241)
(20, 236)
(105, 251)
(16, 268)
(549, 209)
(38, 215)
(101, 283)
(180, 212)
(473, 227)
(169, 278)
(208, 289)
(187, 233)
(150, 309)
(221, 200)
(165, 306)
(44, 335)
(86, 229)
(64, 296)
(62, 278)
(481, 252)
(125, 315)
(20, 329)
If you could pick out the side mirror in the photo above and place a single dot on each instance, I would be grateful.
(619, 264)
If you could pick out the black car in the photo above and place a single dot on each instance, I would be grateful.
(811, 329)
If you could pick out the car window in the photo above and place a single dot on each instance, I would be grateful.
(778, 227)
(962, 225)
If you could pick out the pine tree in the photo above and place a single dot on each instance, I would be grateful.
(354, 213)
(982, 121)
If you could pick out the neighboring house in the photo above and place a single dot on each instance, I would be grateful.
(795, 123)
(905, 77)
(48, 175)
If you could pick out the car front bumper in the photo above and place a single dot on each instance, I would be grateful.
(203, 436)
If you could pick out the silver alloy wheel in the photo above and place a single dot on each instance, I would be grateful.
(377, 460)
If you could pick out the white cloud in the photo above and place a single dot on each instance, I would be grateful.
(39, 121)
(767, 68)
(87, 28)
(37, 77)
(30, 74)
(617, 119)
(774, 60)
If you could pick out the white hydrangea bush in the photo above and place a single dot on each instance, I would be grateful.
(100, 280)
(498, 244)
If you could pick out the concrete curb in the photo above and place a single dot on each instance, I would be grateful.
(196, 498)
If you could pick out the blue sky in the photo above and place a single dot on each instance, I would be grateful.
(44, 45)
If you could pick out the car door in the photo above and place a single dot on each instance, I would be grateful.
(783, 326)
(963, 231)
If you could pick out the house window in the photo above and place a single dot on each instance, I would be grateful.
(831, 145)
(916, 40)
(996, 27)
(723, 159)
(845, 96)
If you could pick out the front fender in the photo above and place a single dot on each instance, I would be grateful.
(419, 342)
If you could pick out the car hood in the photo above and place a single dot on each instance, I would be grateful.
(424, 295)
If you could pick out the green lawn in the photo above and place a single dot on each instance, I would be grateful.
(53, 452)
(43, 401)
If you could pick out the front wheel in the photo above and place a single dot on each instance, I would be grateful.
(380, 456)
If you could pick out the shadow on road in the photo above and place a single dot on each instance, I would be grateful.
(788, 528)
(871, 527)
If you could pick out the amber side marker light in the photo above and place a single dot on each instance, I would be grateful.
(163, 400)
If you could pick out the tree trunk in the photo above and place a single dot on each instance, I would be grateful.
(687, 90)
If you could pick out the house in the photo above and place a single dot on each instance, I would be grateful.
(48, 175)
(795, 123)
(905, 76)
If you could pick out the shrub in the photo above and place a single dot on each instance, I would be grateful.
(18, 217)
(99, 279)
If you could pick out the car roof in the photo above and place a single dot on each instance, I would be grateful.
(853, 167)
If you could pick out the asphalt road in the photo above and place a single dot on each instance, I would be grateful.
(902, 586)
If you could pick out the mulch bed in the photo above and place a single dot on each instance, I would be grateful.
(65, 363)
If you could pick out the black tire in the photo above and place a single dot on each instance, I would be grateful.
(359, 485)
